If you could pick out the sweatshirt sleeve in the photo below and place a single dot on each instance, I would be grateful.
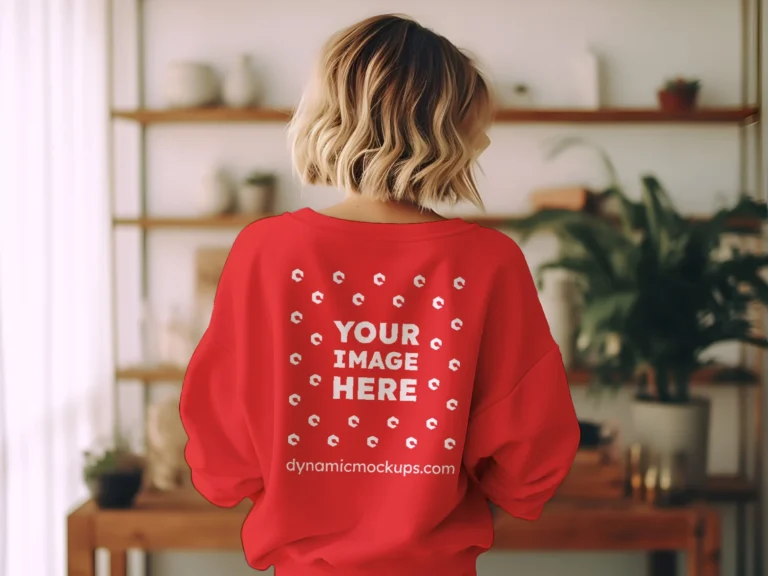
(523, 432)
(219, 451)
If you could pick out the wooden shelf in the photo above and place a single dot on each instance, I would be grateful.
(532, 116)
(714, 376)
(151, 375)
(191, 222)
(630, 116)
(730, 488)
(203, 115)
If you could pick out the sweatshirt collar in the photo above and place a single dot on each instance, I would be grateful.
(389, 231)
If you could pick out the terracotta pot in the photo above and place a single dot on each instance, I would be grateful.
(670, 101)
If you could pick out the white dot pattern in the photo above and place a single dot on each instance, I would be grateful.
(436, 344)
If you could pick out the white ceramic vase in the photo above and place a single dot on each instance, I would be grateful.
(668, 430)
(190, 85)
(241, 87)
(586, 78)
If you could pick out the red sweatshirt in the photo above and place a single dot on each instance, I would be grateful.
(369, 387)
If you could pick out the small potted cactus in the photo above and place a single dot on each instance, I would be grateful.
(114, 476)
(679, 95)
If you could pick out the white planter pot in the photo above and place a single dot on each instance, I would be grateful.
(670, 429)
(190, 85)
(255, 198)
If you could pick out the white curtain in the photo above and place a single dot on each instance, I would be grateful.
(55, 351)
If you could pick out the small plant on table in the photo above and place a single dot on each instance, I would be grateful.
(114, 476)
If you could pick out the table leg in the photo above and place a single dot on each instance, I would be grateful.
(704, 547)
(662, 563)
(118, 563)
(81, 556)
(710, 545)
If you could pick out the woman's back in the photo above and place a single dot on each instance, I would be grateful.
(370, 385)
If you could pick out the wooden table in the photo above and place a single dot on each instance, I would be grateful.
(186, 522)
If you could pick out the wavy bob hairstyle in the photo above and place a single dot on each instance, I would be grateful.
(394, 112)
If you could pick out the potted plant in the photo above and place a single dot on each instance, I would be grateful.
(679, 95)
(256, 193)
(656, 290)
(114, 476)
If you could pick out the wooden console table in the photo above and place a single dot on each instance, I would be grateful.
(186, 522)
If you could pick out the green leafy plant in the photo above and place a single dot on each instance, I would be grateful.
(682, 86)
(119, 459)
(261, 179)
(656, 289)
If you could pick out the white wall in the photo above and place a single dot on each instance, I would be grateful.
(642, 42)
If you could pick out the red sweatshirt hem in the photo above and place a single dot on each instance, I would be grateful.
(464, 565)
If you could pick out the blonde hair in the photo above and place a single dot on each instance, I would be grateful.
(391, 114)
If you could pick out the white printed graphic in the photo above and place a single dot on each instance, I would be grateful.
(405, 334)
